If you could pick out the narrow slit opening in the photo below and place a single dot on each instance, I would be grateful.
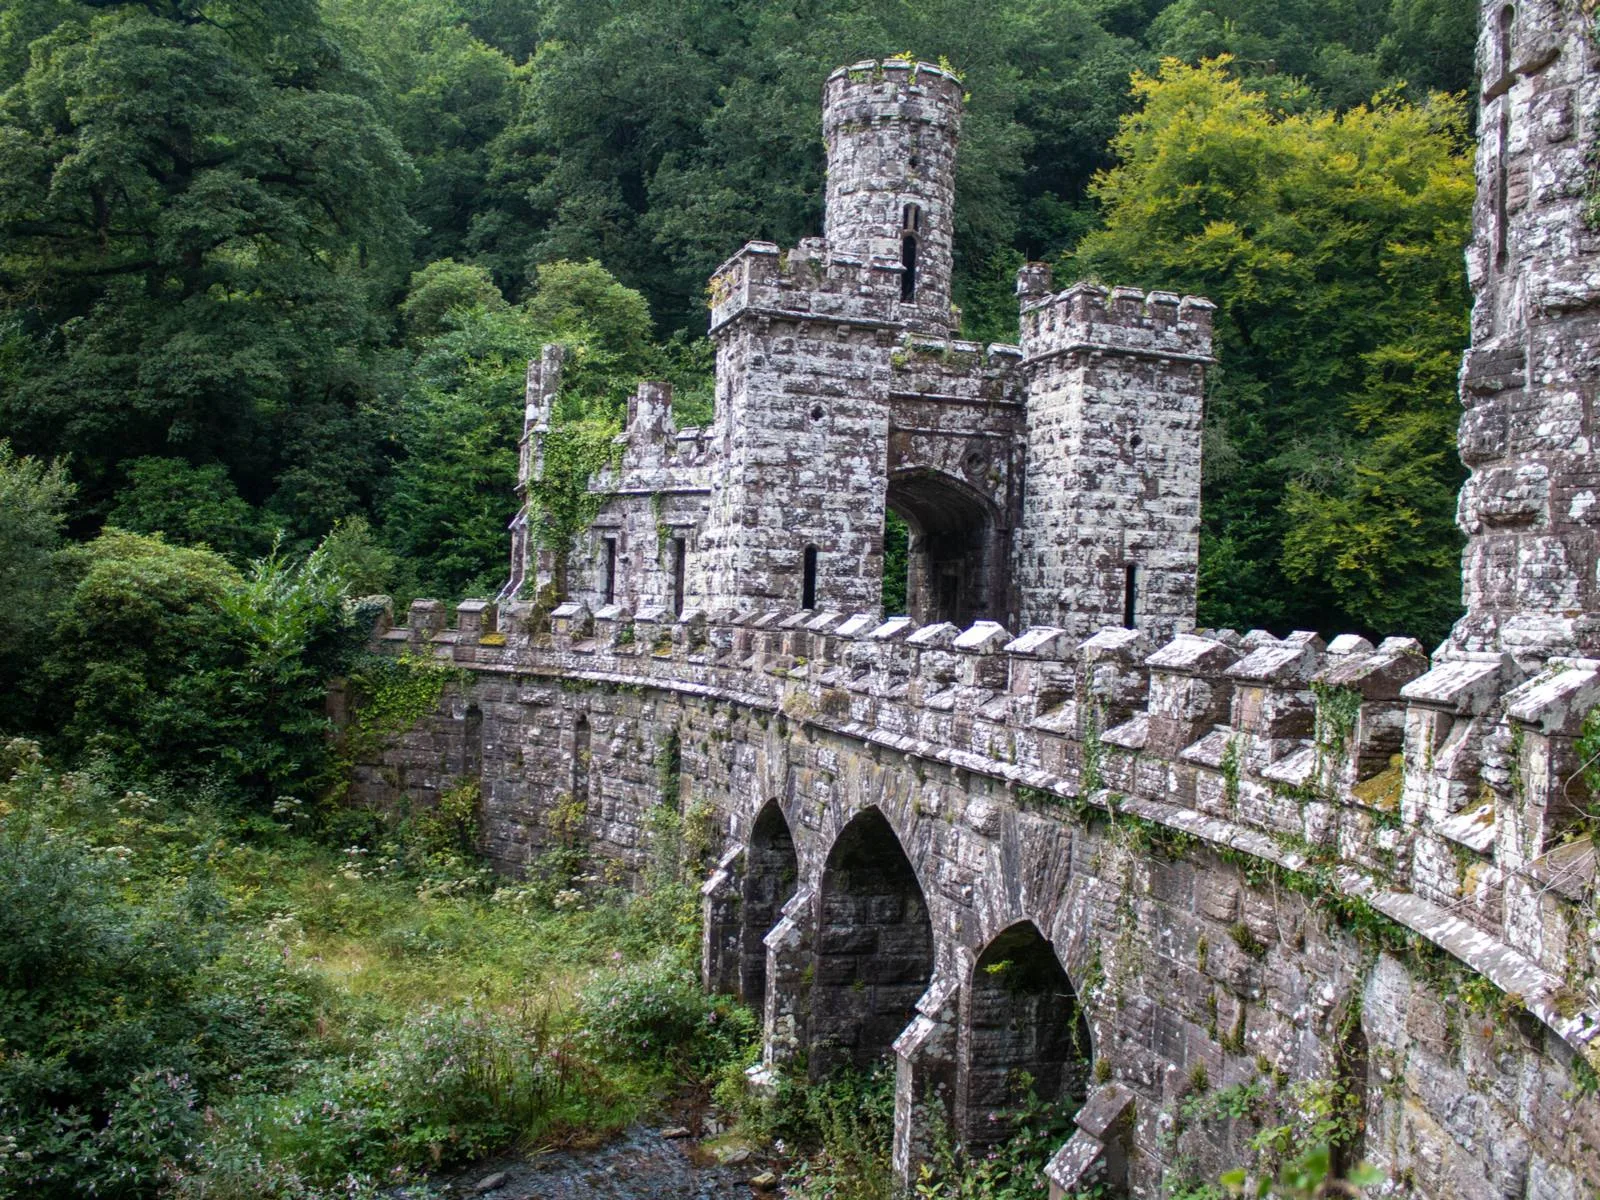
(680, 554)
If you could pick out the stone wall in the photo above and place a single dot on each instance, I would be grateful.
(890, 129)
(1110, 530)
(1219, 842)
(1261, 874)
(1529, 382)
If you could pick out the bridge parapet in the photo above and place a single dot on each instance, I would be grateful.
(1452, 791)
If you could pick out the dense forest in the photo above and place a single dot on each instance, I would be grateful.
(270, 273)
(272, 267)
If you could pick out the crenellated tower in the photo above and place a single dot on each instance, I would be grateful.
(804, 346)
(1055, 482)
(891, 133)
(1110, 528)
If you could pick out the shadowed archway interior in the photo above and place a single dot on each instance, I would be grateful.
(1024, 1030)
(874, 948)
(771, 869)
(950, 569)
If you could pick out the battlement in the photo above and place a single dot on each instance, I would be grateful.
(806, 283)
(951, 370)
(1119, 320)
(1336, 758)
(1244, 857)
(657, 457)
(894, 90)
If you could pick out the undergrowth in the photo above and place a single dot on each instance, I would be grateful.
(201, 1003)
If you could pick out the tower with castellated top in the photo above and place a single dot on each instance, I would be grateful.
(1055, 481)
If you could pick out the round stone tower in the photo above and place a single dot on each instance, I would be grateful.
(890, 130)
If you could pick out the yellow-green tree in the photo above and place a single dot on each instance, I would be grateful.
(1332, 244)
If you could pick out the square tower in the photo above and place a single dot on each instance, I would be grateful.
(1529, 384)
(1110, 530)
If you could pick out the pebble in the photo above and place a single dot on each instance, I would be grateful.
(489, 1182)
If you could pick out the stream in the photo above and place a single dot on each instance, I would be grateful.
(647, 1162)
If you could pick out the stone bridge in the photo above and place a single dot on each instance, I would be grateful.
(1140, 874)
(1207, 887)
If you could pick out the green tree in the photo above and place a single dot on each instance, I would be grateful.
(1331, 52)
(33, 499)
(194, 506)
(443, 287)
(141, 616)
(1332, 245)
(196, 204)
(169, 662)
(453, 490)
(447, 95)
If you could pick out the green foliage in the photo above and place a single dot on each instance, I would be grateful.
(657, 1013)
(187, 505)
(582, 302)
(1332, 244)
(122, 1016)
(33, 500)
(849, 1120)
(389, 696)
(1333, 52)
(169, 662)
(562, 503)
(354, 552)
(1012, 1170)
(445, 287)
(344, 1023)
(896, 562)
(201, 209)
(1336, 713)
(446, 504)
(1587, 749)
(1306, 1177)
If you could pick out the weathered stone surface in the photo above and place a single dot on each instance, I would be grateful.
(1056, 481)
(977, 852)
(1527, 382)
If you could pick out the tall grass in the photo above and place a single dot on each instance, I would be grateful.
(314, 1021)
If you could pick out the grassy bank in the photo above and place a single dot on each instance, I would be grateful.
(220, 1006)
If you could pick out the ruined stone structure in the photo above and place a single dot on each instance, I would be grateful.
(1143, 864)
(1056, 481)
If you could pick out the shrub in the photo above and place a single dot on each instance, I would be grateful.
(118, 1017)
(850, 1119)
(170, 663)
(656, 1013)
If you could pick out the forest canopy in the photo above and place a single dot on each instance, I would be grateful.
(274, 266)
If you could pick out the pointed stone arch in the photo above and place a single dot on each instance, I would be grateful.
(874, 951)
(956, 558)
(771, 873)
(1021, 1015)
